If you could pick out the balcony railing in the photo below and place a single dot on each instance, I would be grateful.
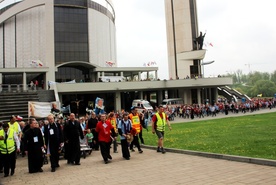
(7, 88)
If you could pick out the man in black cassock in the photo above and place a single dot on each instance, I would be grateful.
(72, 132)
(53, 141)
(33, 143)
(92, 123)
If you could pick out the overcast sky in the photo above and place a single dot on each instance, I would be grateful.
(242, 33)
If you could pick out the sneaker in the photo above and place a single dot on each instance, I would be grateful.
(140, 151)
(159, 150)
(163, 150)
(132, 150)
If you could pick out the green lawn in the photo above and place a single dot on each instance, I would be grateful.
(251, 136)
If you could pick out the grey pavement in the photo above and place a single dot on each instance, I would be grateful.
(149, 168)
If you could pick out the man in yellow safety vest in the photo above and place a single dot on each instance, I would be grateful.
(159, 120)
(8, 139)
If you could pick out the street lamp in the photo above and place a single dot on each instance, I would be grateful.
(205, 63)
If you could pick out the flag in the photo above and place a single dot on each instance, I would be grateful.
(36, 63)
(207, 44)
(259, 95)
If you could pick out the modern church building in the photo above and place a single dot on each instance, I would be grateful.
(75, 41)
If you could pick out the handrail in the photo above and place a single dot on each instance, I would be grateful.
(17, 88)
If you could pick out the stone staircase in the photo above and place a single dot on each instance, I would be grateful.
(16, 103)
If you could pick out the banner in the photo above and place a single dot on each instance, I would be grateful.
(41, 109)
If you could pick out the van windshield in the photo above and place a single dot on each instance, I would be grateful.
(164, 103)
(147, 105)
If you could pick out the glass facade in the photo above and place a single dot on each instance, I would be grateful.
(71, 34)
(66, 74)
(12, 79)
(82, 3)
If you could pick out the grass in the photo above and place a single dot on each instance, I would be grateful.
(251, 136)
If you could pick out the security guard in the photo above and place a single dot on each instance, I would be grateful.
(8, 139)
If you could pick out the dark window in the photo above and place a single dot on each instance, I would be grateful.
(71, 33)
(65, 74)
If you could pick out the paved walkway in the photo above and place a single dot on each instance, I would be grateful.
(147, 168)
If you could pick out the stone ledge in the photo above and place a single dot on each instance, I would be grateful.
(258, 161)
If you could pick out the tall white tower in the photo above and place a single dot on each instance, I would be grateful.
(184, 56)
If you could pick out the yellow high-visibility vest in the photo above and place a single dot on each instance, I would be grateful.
(9, 146)
(160, 124)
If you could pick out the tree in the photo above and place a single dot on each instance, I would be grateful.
(265, 87)
(273, 77)
(254, 77)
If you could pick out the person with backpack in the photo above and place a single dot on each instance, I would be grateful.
(124, 129)
(159, 121)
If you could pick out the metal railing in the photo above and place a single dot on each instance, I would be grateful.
(7, 88)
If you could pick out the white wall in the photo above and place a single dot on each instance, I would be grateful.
(31, 39)
(1, 46)
(102, 41)
(9, 36)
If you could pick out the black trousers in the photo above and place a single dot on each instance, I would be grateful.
(54, 158)
(73, 152)
(135, 142)
(1, 162)
(95, 140)
(9, 161)
(105, 149)
(141, 136)
(125, 151)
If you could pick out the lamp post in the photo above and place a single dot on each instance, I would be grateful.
(205, 63)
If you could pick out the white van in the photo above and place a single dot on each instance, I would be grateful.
(113, 78)
(172, 102)
(142, 104)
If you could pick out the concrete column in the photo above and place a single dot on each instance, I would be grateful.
(216, 94)
(98, 76)
(141, 95)
(139, 76)
(198, 96)
(185, 96)
(122, 73)
(210, 96)
(60, 99)
(159, 97)
(103, 73)
(118, 105)
(156, 75)
(147, 75)
(25, 81)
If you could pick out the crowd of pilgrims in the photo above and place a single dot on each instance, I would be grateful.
(222, 106)
(53, 137)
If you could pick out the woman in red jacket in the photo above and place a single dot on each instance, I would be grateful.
(104, 130)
